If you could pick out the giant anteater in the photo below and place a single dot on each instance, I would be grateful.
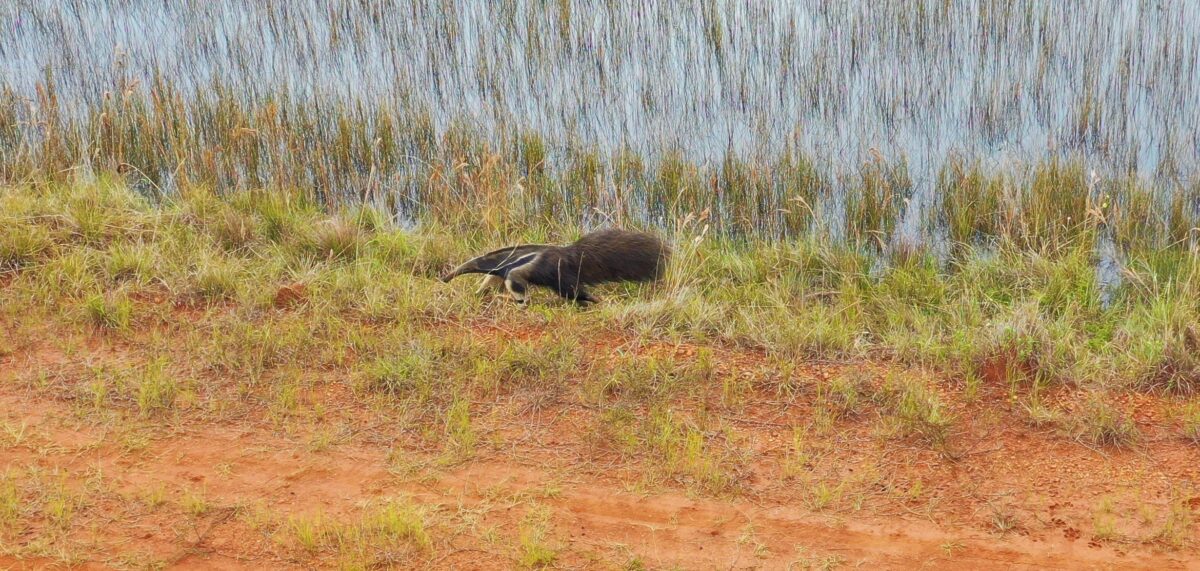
(602, 256)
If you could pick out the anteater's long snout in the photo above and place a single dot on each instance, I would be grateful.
(465, 268)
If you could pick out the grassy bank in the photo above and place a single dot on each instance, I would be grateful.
(1027, 317)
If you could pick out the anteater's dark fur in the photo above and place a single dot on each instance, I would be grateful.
(603, 256)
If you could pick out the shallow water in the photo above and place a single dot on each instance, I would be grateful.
(1008, 82)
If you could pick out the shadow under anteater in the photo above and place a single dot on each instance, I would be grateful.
(603, 256)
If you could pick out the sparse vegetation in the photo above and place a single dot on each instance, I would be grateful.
(1099, 422)
(194, 503)
(1191, 423)
(535, 549)
(10, 504)
(915, 410)
(843, 395)
(156, 390)
(460, 436)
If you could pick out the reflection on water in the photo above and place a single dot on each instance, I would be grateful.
(1117, 82)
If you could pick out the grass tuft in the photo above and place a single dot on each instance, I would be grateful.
(335, 240)
(129, 263)
(22, 244)
(460, 435)
(235, 231)
(399, 521)
(535, 552)
(1191, 423)
(112, 311)
(409, 375)
(10, 503)
(917, 410)
(1100, 423)
(216, 281)
(1174, 361)
(842, 395)
(156, 390)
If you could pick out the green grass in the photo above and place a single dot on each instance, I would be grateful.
(1026, 319)
(408, 374)
(216, 282)
(842, 396)
(108, 312)
(535, 550)
(399, 521)
(128, 263)
(157, 391)
(460, 435)
(1035, 315)
(308, 531)
(194, 503)
(384, 535)
(334, 239)
(22, 244)
(11, 503)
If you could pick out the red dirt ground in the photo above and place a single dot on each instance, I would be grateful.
(1007, 495)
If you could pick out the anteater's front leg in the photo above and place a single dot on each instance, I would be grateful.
(490, 282)
(518, 289)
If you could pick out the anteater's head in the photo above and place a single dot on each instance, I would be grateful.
(497, 262)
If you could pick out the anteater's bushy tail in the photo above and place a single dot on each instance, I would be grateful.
(620, 255)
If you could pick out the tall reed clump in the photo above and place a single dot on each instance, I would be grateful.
(12, 155)
(975, 206)
(875, 201)
(676, 186)
(1129, 210)
(1183, 216)
(800, 187)
(1056, 206)
(1143, 217)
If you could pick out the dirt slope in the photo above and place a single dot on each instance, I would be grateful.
(1010, 496)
